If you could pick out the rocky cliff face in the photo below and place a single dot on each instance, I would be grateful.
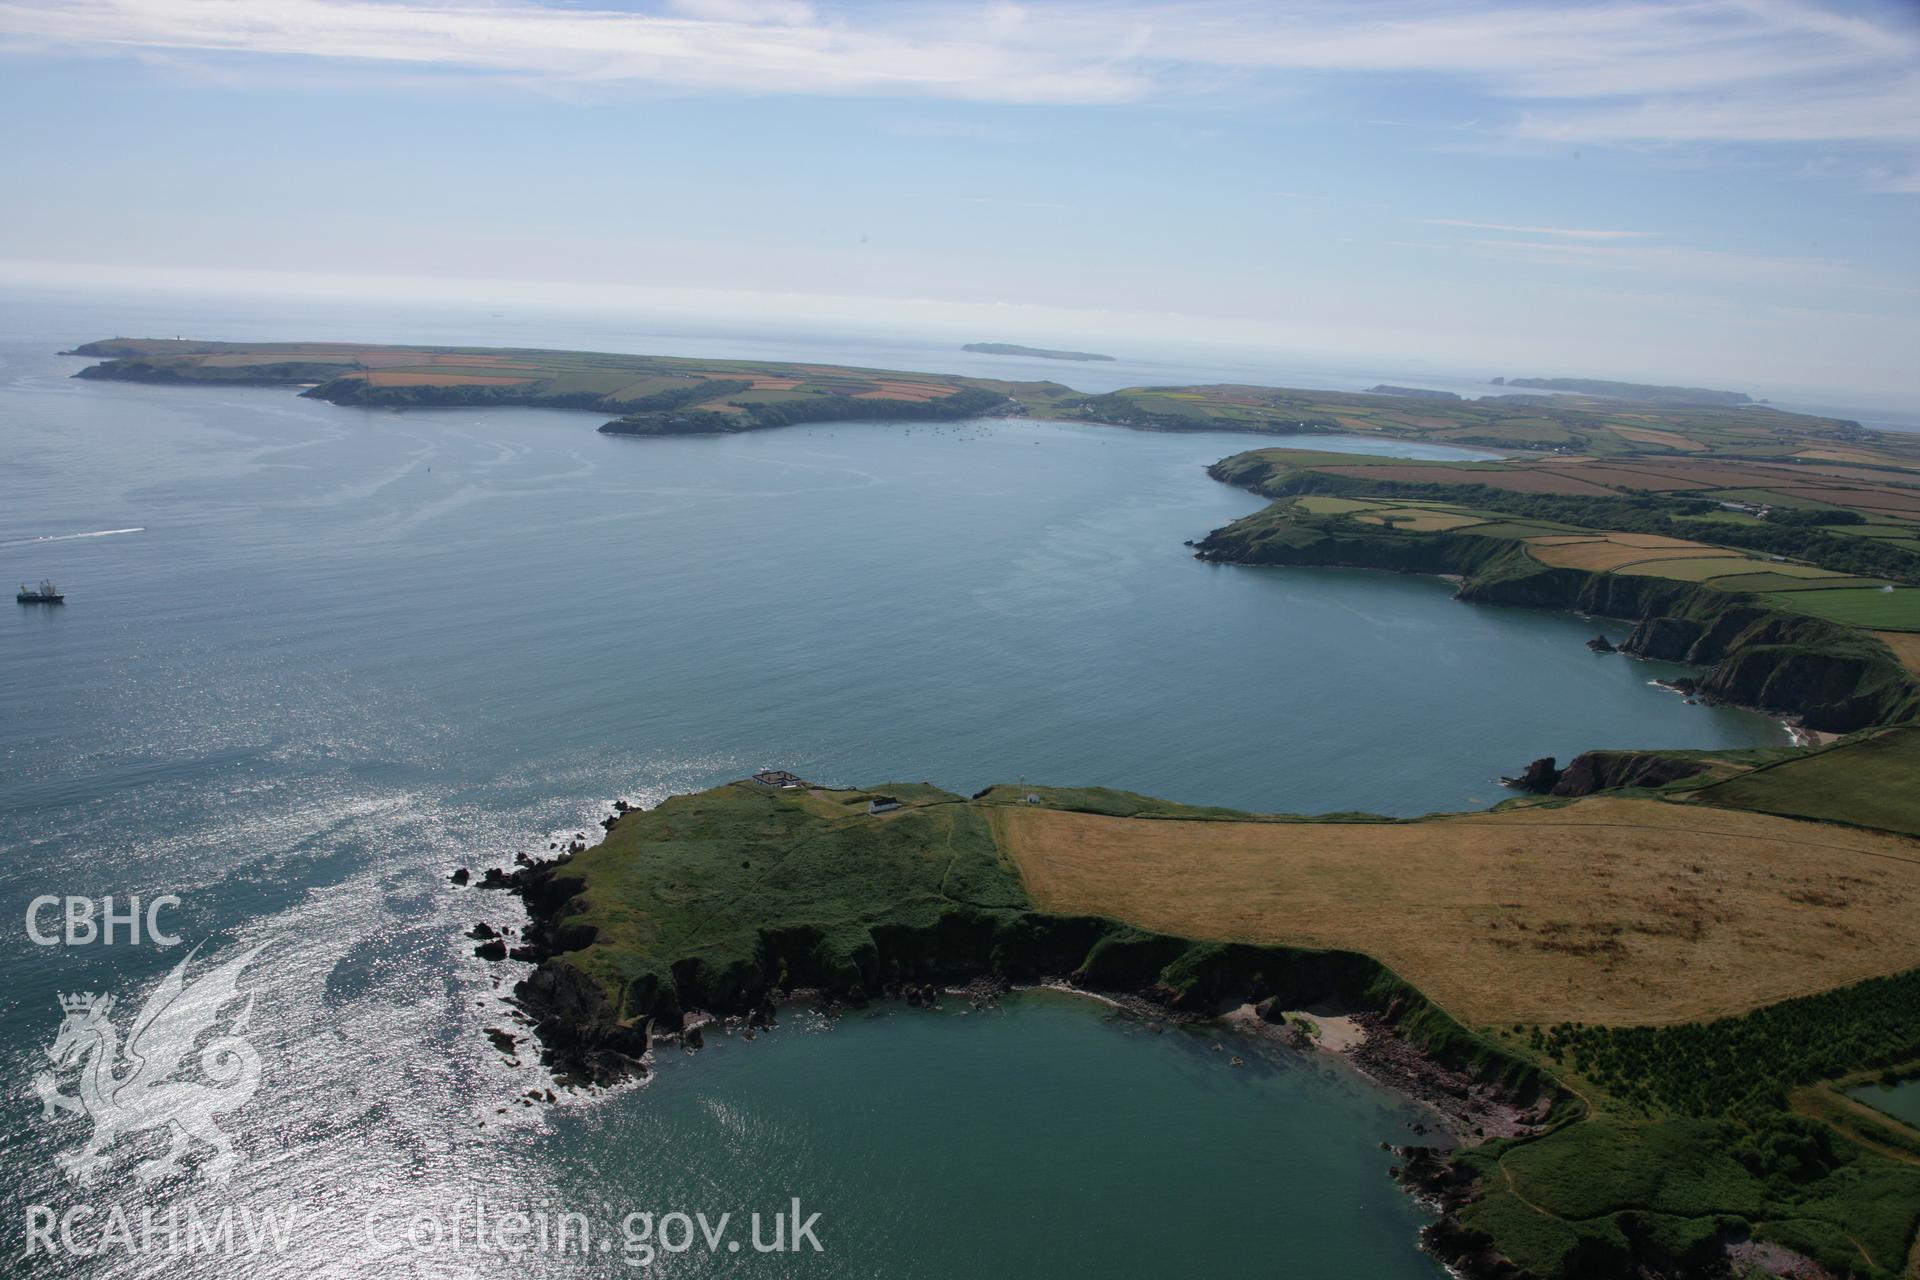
(1538, 778)
(1830, 676)
(137, 369)
(593, 1033)
(1608, 770)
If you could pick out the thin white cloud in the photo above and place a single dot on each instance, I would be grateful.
(1885, 112)
(722, 46)
(792, 13)
(1561, 233)
(1002, 203)
(1676, 261)
(1632, 73)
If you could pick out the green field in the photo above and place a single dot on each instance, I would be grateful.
(1689, 570)
(751, 867)
(1671, 497)
(1873, 608)
(1770, 582)
(1872, 783)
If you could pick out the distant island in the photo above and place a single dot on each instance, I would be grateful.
(1039, 353)
(1630, 391)
(1416, 393)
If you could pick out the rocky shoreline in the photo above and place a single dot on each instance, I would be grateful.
(1443, 1186)
(585, 1041)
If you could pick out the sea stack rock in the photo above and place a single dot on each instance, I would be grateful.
(1600, 644)
(1538, 777)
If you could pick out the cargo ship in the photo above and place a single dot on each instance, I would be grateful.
(45, 593)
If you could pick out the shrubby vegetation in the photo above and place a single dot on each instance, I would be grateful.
(1695, 1143)
(1599, 1199)
(1744, 1066)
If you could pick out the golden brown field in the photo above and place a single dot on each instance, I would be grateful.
(1517, 480)
(1653, 540)
(1885, 501)
(1602, 910)
(244, 361)
(1624, 477)
(1905, 646)
(412, 379)
(894, 391)
(1606, 554)
(1419, 520)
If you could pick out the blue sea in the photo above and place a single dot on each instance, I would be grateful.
(313, 658)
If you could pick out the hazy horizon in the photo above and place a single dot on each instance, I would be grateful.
(1720, 193)
(932, 347)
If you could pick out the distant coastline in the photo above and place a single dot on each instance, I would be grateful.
(1038, 353)
(662, 395)
(1645, 393)
(1411, 393)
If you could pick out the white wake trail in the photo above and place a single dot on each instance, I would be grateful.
(68, 537)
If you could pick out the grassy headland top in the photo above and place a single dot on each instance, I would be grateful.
(662, 395)
(1828, 533)
(1704, 897)
(1700, 966)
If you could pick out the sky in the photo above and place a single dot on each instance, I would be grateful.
(1722, 191)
